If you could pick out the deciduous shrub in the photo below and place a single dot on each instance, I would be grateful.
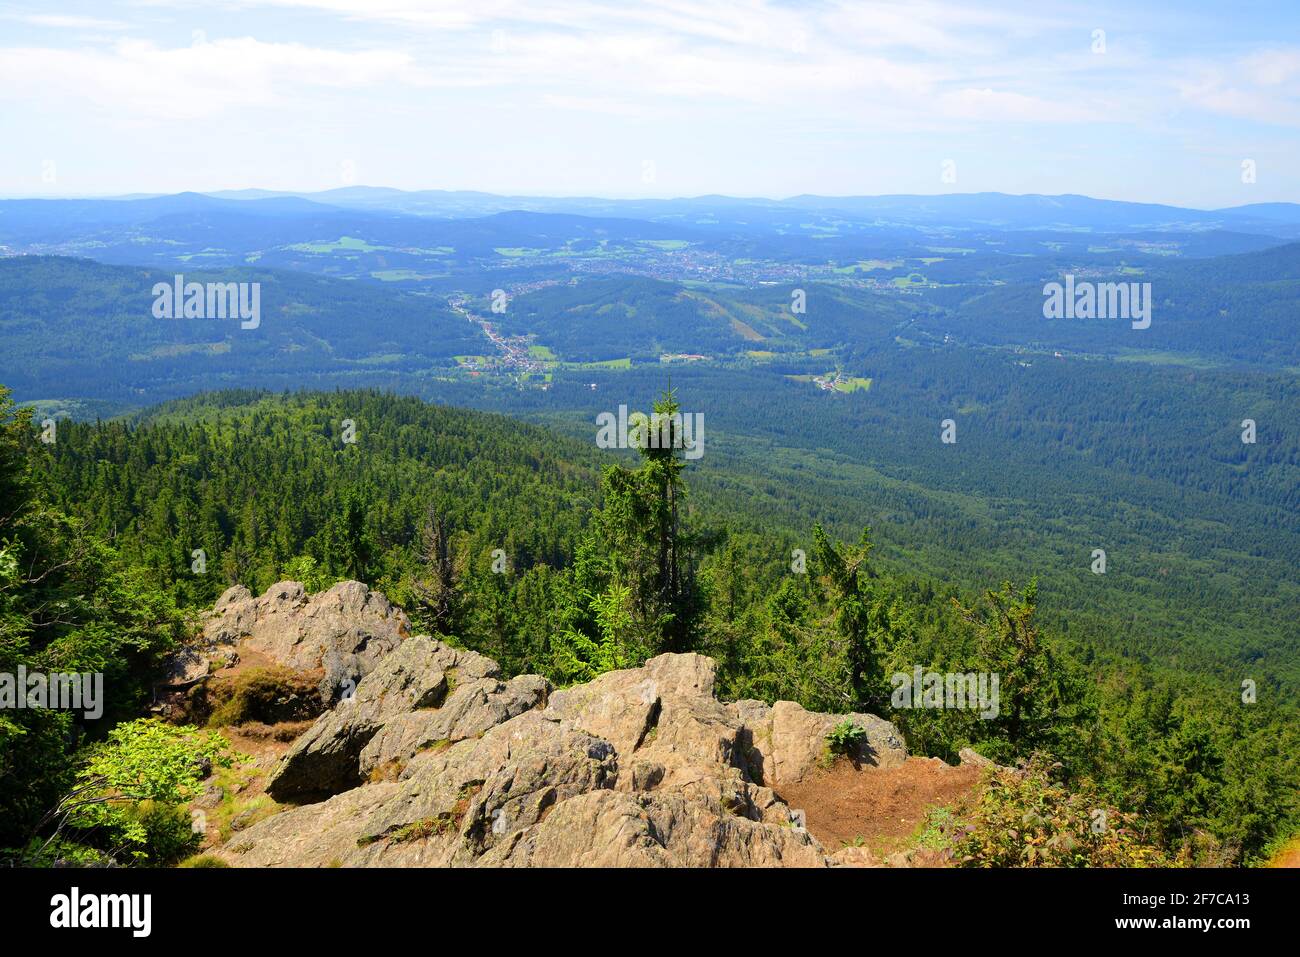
(1027, 818)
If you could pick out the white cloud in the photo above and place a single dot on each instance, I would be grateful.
(592, 104)
(64, 22)
(1261, 87)
(758, 85)
(1272, 67)
(997, 106)
(137, 80)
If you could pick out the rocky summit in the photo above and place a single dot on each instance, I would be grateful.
(340, 633)
(436, 759)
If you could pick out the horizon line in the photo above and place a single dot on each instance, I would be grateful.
(304, 193)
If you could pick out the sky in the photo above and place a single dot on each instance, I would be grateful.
(1190, 103)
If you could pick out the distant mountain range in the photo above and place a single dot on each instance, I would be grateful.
(446, 241)
(1002, 210)
(953, 210)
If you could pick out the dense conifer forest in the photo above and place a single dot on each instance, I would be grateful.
(554, 557)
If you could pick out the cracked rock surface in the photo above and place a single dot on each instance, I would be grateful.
(436, 760)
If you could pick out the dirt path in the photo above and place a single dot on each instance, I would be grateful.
(879, 808)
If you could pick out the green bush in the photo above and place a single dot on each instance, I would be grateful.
(1027, 818)
(56, 852)
(307, 570)
(168, 832)
(134, 787)
(845, 738)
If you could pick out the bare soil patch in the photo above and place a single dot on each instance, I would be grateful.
(1289, 856)
(880, 808)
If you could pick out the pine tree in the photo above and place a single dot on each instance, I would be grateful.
(435, 602)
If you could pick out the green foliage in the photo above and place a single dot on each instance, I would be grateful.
(166, 832)
(845, 738)
(605, 568)
(203, 861)
(1028, 818)
(816, 637)
(1065, 459)
(59, 851)
(1042, 699)
(198, 475)
(1206, 770)
(639, 529)
(147, 759)
(307, 570)
(96, 326)
(424, 828)
(643, 318)
(68, 603)
(578, 658)
(131, 791)
(937, 830)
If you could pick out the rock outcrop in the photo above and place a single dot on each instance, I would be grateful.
(788, 741)
(437, 761)
(424, 695)
(343, 632)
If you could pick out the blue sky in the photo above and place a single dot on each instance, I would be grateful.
(677, 98)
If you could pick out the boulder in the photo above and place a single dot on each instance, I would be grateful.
(193, 660)
(341, 633)
(921, 857)
(610, 829)
(344, 631)
(854, 857)
(468, 712)
(426, 693)
(785, 742)
(972, 757)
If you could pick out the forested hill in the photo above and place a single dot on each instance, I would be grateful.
(205, 467)
(199, 473)
(256, 480)
(80, 328)
(559, 559)
(605, 319)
